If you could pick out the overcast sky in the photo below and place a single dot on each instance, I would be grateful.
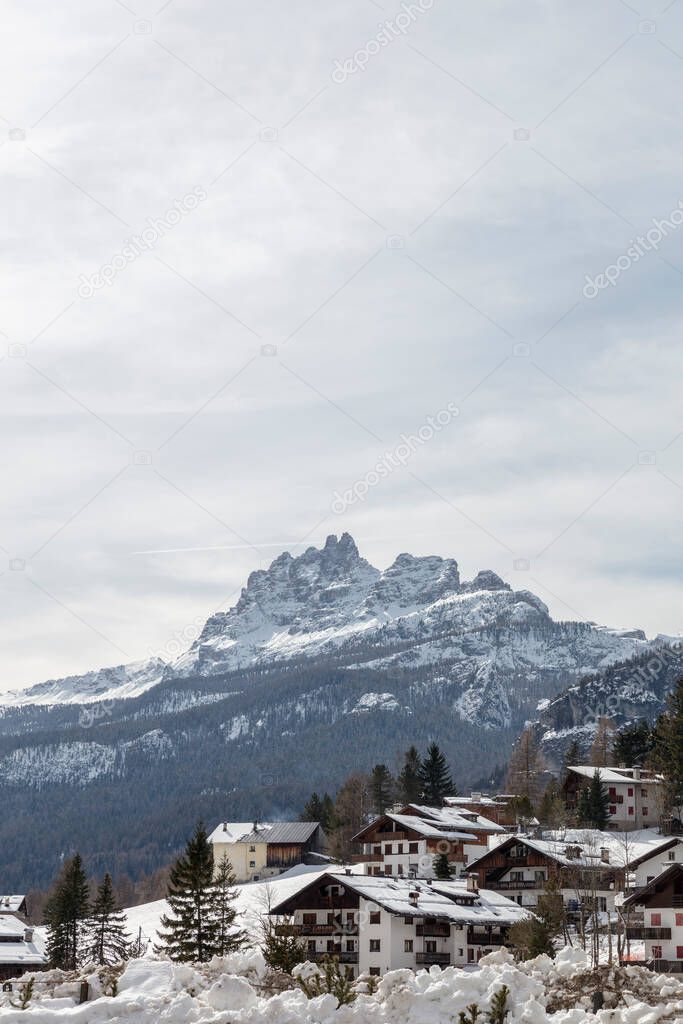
(362, 223)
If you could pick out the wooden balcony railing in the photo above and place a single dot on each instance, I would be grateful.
(434, 931)
(345, 928)
(343, 957)
(369, 858)
(433, 958)
(389, 837)
(639, 932)
(511, 884)
(482, 939)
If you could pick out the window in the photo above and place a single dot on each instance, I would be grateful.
(679, 920)
(412, 847)
(350, 946)
(630, 810)
(252, 849)
(516, 876)
(388, 849)
(252, 863)
(630, 790)
(656, 952)
(311, 945)
(310, 918)
(644, 811)
(460, 952)
(612, 809)
(399, 868)
(330, 945)
(672, 855)
(377, 849)
(407, 920)
(330, 918)
(643, 792)
(375, 917)
(612, 792)
(374, 971)
(679, 952)
(655, 920)
(374, 945)
(351, 917)
(539, 876)
(399, 848)
(430, 946)
(408, 946)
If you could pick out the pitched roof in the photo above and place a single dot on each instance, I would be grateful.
(268, 832)
(662, 879)
(437, 900)
(11, 904)
(590, 842)
(615, 776)
(454, 818)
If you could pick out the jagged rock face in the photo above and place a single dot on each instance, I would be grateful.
(491, 651)
(622, 692)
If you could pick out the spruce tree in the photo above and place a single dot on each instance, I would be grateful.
(224, 911)
(633, 743)
(320, 809)
(595, 808)
(381, 787)
(191, 930)
(572, 757)
(66, 912)
(441, 867)
(108, 940)
(667, 754)
(409, 785)
(435, 777)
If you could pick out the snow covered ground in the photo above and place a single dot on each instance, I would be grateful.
(239, 990)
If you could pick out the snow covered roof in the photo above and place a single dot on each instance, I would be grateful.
(654, 887)
(428, 829)
(615, 776)
(622, 847)
(265, 832)
(11, 904)
(437, 900)
(14, 947)
(454, 818)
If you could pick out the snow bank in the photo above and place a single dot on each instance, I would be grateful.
(239, 990)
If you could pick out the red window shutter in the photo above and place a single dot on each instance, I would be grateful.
(656, 920)
(679, 920)
(679, 952)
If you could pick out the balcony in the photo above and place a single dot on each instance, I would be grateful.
(522, 884)
(389, 837)
(666, 966)
(482, 939)
(434, 931)
(367, 858)
(345, 928)
(343, 957)
(433, 958)
(638, 932)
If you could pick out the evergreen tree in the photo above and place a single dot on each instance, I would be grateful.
(66, 912)
(229, 938)
(633, 743)
(409, 785)
(108, 941)
(594, 803)
(572, 757)
(191, 931)
(435, 777)
(282, 948)
(441, 867)
(667, 753)
(381, 788)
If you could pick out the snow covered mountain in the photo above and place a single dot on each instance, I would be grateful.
(325, 664)
(500, 645)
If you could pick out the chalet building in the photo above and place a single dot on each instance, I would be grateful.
(646, 867)
(13, 905)
(19, 951)
(405, 843)
(662, 930)
(373, 924)
(499, 809)
(633, 793)
(258, 851)
(520, 867)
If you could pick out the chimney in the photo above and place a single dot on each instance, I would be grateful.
(604, 855)
(636, 773)
(413, 896)
(472, 883)
(225, 826)
(476, 796)
(28, 934)
(347, 871)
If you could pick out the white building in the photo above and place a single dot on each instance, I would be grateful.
(646, 867)
(634, 794)
(19, 951)
(662, 928)
(376, 924)
(406, 843)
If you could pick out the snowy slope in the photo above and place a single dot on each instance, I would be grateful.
(116, 683)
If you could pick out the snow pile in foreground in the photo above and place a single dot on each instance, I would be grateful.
(239, 990)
